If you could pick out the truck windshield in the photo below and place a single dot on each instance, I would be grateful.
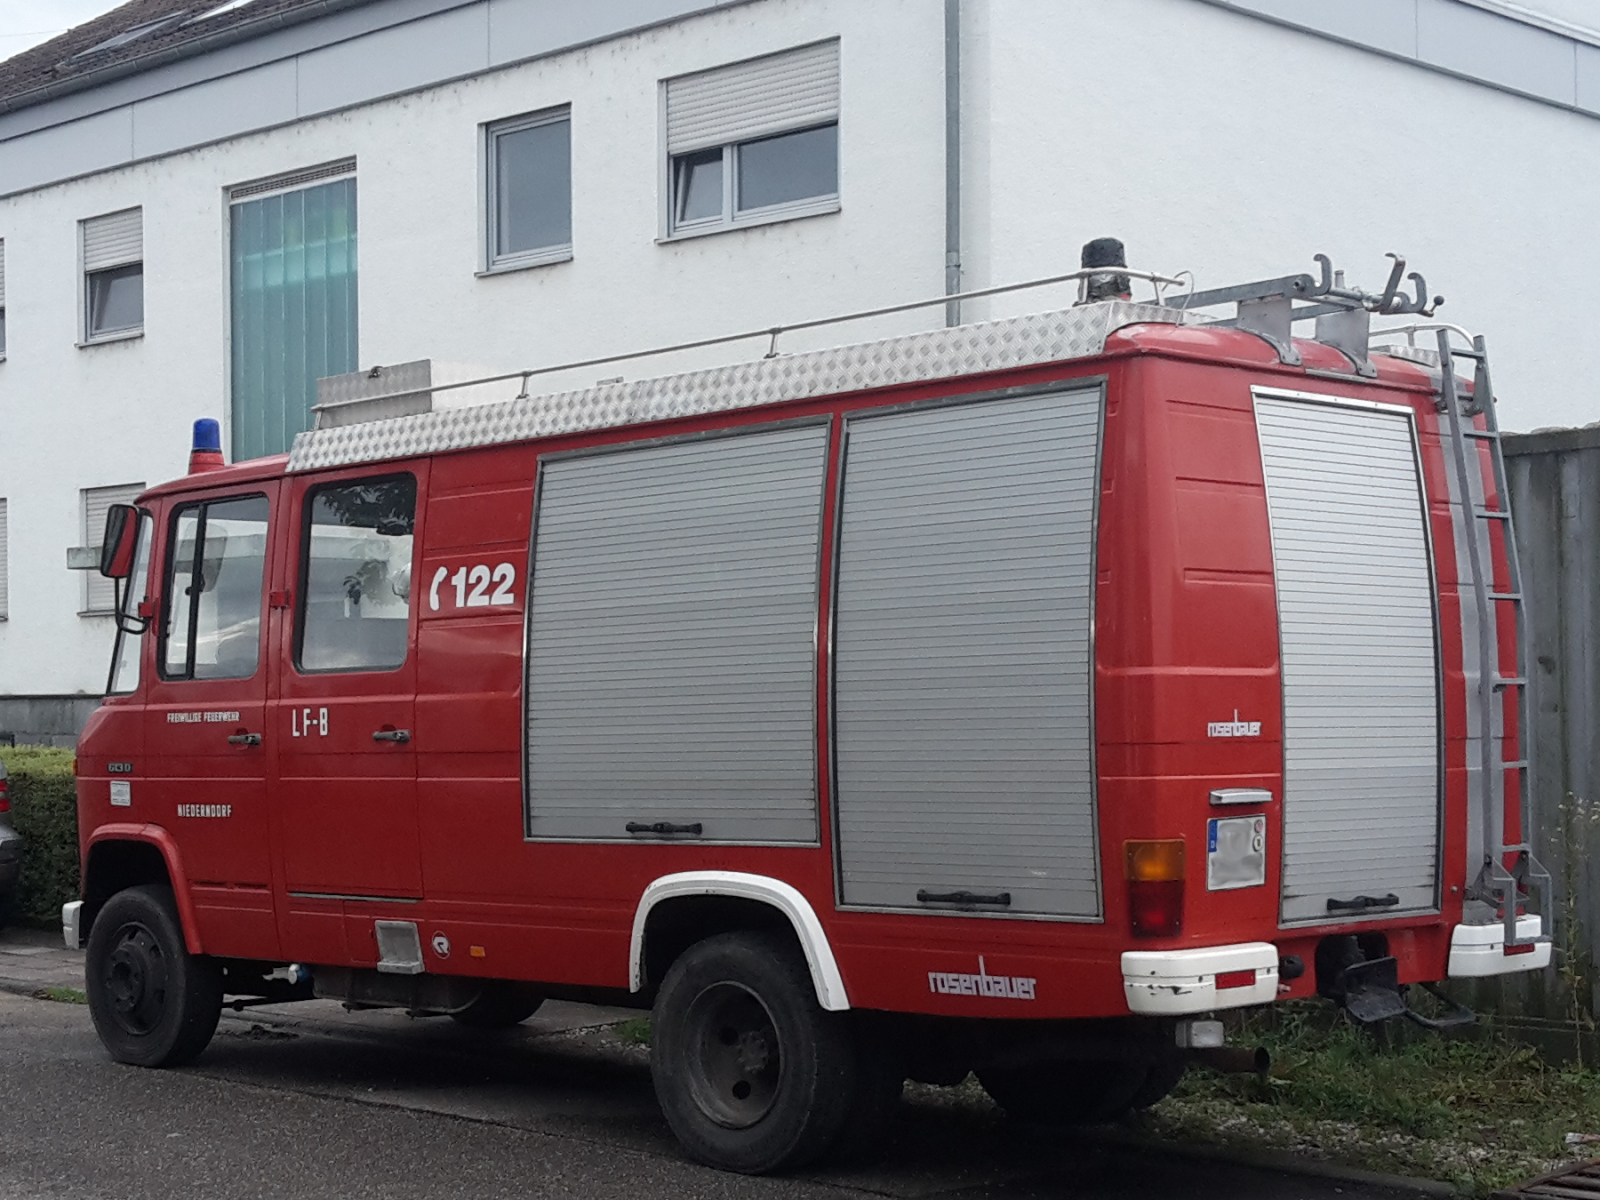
(125, 654)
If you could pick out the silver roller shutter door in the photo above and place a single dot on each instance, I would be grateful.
(1360, 666)
(671, 658)
(964, 752)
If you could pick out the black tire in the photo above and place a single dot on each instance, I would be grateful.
(752, 1075)
(501, 1005)
(1158, 1084)
(154, 1004)
(1071, 1093)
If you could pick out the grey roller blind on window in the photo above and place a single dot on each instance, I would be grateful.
(751, 99)
(2, 273)
(962, 655)
(99, 592)
(671, 655)
(1360, 672)
(113, 240)
(5, 563)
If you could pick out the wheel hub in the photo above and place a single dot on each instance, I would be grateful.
(136, 979)
(735, 1062)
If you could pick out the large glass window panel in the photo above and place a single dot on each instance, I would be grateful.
(697, 187)
(116, 300)
(216, 563)
(532, 166)
(356, 595)
(789, 168)
(294, 309)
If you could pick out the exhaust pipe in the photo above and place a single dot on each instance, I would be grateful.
(1235, 1060)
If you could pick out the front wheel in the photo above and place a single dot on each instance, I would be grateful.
(751, 1073)
(154, 1004)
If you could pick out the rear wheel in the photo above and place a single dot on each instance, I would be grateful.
(154, 1004)
(1072, 1093)
(501, 1005)
(752, 1075)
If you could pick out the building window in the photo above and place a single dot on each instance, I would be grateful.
(528, 190)
(292, 245)
(99, 596)
(5, 558)
(113, 275)
(753, 142)
(2, 302)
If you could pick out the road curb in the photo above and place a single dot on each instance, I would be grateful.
(1283, 1160)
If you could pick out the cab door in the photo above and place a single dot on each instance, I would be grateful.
(343, 705)
(205, 731)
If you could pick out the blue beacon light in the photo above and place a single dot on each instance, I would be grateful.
(206, 451)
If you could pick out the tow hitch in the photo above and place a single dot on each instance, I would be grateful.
(1369, 988)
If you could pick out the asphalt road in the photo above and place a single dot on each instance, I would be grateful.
(309, 1101)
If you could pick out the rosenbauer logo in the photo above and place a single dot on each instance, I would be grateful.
(1234, 728)
(996, 987)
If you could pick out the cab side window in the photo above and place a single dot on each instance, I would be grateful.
(216, 560)
(355, 568)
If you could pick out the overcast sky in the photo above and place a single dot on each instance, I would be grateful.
(25, 23)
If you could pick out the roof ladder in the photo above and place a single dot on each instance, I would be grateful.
(1497, 884)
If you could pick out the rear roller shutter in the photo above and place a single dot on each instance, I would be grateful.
(1360, 667)
(671, 658)
(963, 656)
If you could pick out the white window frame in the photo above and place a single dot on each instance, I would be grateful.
(86, 337)
(93, 581)
(731, 217)
(490, 263)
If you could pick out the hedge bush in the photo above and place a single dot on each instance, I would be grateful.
(44, 809)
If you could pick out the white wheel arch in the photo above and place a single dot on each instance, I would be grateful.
(764, 889)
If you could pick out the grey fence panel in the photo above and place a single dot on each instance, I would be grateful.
(672, 627)
(1554, 477)
(963, 657)
(1360, 666)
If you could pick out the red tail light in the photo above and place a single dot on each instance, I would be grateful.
(5, 796)
(1155, 874)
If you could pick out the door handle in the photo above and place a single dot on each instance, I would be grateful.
(244, 739)
(392, 735)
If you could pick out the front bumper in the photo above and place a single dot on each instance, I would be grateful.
(1477, 951)
(1179, 982)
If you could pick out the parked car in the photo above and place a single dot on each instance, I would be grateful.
(10, 852)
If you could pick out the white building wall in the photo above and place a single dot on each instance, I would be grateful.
(1206, 139)
(1237, 149)
(79, 417)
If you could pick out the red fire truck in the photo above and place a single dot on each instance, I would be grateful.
(1006, 698)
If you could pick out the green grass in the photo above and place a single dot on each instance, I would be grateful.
(64, 995)
(1481, 1113)
(635, 1032)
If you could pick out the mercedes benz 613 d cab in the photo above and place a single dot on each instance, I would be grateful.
(1008, 698)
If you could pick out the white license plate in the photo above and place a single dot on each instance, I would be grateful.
(1236, 852)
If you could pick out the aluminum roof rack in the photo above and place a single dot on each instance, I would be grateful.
(1269, 308)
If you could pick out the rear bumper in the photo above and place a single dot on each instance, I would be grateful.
(1178, 982)
(1477, 951)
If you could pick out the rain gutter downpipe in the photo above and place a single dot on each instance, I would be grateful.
(952, 159)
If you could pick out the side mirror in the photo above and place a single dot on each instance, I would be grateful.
(120, 541)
